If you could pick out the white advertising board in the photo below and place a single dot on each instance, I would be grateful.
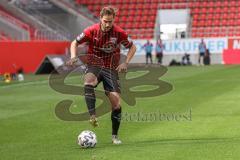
(181, 46)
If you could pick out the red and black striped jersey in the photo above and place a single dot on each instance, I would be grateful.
(104, 47)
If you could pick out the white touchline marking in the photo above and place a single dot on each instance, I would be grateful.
(30, 83)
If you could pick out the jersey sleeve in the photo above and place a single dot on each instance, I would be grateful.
(125, 41)
(85, 36)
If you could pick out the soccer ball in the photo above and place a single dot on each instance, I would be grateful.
(87, 139)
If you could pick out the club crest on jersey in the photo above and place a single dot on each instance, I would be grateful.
(113, 40)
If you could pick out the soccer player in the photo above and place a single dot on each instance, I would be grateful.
(159, 50)
(202, 50)
(148, 49)
(103, 64)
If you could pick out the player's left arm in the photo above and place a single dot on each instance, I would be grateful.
(130, 53)
(132, 49)
(123, 66)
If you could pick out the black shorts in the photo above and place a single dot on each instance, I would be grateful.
(148, 54)
(109, 78)
(160, 54)
(201, 54)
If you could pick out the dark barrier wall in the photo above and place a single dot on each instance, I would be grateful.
(27, 55)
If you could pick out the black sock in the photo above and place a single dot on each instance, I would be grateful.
(90, 98)
(116, 119)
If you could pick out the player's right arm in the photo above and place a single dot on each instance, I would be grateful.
(82, 38)
(73, 51)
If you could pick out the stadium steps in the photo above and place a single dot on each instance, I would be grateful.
(13, 27)
(36, 26)
(4, 37)
(58, 19)
(41, 10)
(78, 18)
(72, 7)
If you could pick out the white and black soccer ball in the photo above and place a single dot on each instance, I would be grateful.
(87, 139)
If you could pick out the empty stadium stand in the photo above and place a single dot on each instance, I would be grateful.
(39, 29)
(210, 18)
(13, 27)
(215, 18)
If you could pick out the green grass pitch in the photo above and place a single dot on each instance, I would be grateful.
(29, 128)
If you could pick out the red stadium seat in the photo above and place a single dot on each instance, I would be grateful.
(203, 10)
(194, 29)
(201, 23)
(232, 16)
(208, 23)
(144, 18)
(211, 4)
(194, 23)
(235, 22)
(233, 9)
(238, 22)
(200, 34)
(225, 10)
(225, 16)
(154, 6)
(224, 22)
(131, 12)
(224, 3)
(112, 2)
(218, 4)
(132, 6)
(197, 4)
(233, 3)
(195, 17)
(194, 35)
(144, 25)
(207, 32)
(218, 10)
(209, 16)
(231, 22)
(152, 18)
(216, 22)
(124, 13)
(138, 12)
(91, 8)
(204, 4)
(151, 24)
(145, 12)
(202, 16)
(104, 1)
(123, 19)
(130, 19)
(195, 11)
(210, 10)
(216, 30)
(238, 3)
(216, 16)
(191, 5)
(137, 18)
(128, 25)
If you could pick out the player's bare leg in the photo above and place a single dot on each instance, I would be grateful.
(114, 98)
(90, 80)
